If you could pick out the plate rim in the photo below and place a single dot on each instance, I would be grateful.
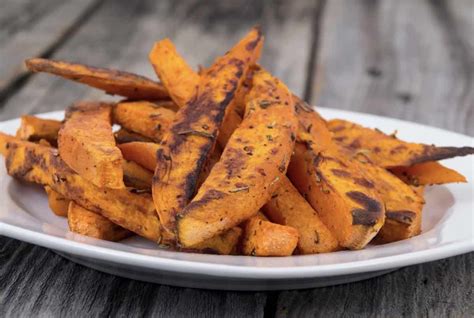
(437, 252)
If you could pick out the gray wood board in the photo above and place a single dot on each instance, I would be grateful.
(407, 59)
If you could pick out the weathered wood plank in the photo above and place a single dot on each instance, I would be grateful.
(404, 59)
(437, 289)
(200, 30)
(38, 37)
(36, 282)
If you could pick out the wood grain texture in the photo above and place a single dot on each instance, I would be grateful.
(405, 59)
(37, 36)
(36, 282)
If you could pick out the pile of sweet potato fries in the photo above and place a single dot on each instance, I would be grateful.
(225, 160)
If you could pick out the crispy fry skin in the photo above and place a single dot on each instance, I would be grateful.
(176, 75)
(388, 151)
(143, 153)
(288, 207)
(246, 175)
(341, 193)
(144, 118)
(264, 238)
(193, 134)
(85, 222)
(34, 129)
(428, 173)
(86, 143)
(136, 176)
(112, 82)
(58, 203)
(40, 164)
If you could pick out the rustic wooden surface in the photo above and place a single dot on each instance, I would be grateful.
(407, 59)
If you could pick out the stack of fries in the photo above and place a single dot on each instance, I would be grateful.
(224, 161)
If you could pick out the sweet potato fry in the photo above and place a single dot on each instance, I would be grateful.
(112, 82)
(250, 167)
(193, 134)
(176, 75)
(143, 153)
(39, 164)
(34, 129)
(223, 244)
(123, 136)
(288, 207)
(88, 223)
(312, 128)
(386, 150)
(428, 173)
(86, 143)
(264, 238)
(136, 176)
(403, 205)
(58, 203)
(343, 196)
(144, 118)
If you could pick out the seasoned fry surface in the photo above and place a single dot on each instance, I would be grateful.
(86, 143)
(193, 134)
(88, 223)
(34, 129)
(428, 173)
(250, 167)
(386, 150)
(112, 82)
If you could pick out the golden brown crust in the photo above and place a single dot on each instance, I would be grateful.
(112, 82)
(34, 129)
(58, 203)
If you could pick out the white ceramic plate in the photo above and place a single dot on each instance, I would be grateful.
(447, 231)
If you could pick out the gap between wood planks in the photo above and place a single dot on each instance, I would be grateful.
(313, 54)
(17, 83)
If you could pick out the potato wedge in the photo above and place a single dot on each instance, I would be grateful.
(428, 173)
(86, 143)
(176, 75)
(343, 196)
(288, 207)
(193, 133)
(88, 223)
(113, 82)
(250, 167)
(223, 244)
(144, 118)
(34, 129)
(58, 203)
(386, 150)
(136, 176)
(264, 238)
(39, 164)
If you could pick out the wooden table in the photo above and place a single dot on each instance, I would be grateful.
(407, 59)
